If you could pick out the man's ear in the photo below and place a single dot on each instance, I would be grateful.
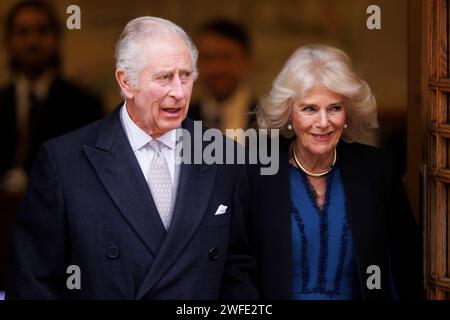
(124, 83)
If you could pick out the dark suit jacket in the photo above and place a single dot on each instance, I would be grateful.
(67, 108)
(383, 227)
(88, 204)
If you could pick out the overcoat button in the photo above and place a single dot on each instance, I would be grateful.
(213, 254)
(113, 252)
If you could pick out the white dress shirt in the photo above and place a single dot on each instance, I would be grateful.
(139, 140)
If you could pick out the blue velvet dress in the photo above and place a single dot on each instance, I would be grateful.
(322, 248)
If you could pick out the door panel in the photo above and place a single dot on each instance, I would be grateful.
(437, 218)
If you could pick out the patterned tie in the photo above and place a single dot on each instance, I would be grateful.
(160, 184)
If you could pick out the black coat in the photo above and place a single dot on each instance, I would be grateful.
(88, 204)
(383, 227)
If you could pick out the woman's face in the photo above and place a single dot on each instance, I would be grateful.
(318, 119)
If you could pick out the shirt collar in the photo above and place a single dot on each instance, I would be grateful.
(139, 138)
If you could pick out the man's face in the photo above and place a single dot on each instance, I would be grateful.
(161, 100)
(32, 44)
(223, 64)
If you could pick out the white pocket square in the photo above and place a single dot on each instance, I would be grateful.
(221, 210)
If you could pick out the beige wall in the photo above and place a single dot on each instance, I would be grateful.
(278, 28)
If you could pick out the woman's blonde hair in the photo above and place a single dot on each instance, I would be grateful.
(318, 64)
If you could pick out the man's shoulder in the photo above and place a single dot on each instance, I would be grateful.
(87, 135)
(75, 139)
(68, 87)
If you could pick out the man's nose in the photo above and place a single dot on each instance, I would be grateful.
(176, 89)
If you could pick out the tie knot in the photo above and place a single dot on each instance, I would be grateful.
(155, 145)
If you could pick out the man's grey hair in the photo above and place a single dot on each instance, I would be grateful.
(128, 52)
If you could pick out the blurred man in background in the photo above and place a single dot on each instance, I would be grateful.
(226, 100)
(36, 105)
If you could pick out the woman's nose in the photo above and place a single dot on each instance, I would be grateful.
(322, 121)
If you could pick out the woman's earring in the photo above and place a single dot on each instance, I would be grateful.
(289, 126)
(345, 126)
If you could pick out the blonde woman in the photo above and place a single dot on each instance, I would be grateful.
(334, 222)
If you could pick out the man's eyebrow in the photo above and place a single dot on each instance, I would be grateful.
(189, 69)
(163, 71)
(169, 71)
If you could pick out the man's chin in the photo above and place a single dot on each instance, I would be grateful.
(172, 124)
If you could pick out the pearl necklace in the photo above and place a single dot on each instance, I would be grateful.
(312, 174)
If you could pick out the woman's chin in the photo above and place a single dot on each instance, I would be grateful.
(322, 151)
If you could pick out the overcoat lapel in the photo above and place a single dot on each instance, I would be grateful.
(118, 170)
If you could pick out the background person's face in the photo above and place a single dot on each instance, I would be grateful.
(32, 43)
(223, 64)
(161, 101)
(318, 119)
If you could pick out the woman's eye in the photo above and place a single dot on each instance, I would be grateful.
(336, 108)
(308, 109)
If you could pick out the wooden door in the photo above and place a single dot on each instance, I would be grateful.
(437, 104)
